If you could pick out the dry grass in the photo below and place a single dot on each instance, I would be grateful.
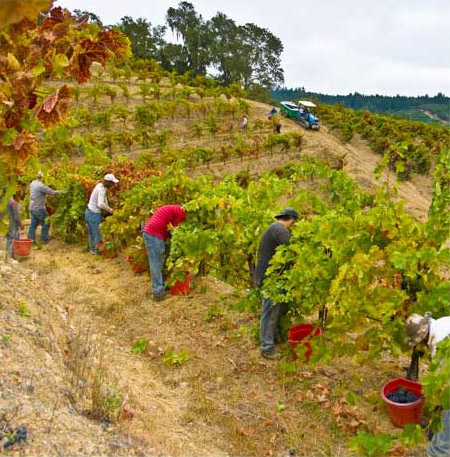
(225, 400)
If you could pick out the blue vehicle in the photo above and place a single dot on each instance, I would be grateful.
(303, 113)
(306, 115)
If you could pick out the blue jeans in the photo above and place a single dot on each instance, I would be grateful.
(440, 443)
(270, 319)
(9, 241)
(93, 224)
(38, 217)
(155, 251)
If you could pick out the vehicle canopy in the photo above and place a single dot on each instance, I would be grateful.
(306, 104)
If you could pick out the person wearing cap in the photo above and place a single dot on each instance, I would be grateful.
(278, 233)
(98, 202)
(38, 194)
(155, 234)
(429, 331)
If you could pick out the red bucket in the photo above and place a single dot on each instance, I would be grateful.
(299, 332)
(22, 247)
(136, 266)
(182, 287)
(403, 413)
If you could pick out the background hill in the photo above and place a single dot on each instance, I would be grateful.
(426, 109)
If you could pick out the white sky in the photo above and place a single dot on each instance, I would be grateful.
(387, 47)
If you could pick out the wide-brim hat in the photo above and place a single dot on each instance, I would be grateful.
(288, 212)
(417, 328)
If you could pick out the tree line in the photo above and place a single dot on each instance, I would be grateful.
(232, 53)
(439, 104)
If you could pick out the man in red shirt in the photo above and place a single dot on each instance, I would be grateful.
(155, 233)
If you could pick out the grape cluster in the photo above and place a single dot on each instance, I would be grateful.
(401, 395)
(13, 435)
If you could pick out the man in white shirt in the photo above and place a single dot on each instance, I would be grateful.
(428, 331)
(98, 202)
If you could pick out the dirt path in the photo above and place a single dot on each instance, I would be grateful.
(436, 118)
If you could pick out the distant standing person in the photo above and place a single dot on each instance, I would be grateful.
(244, 123)
(276, 124)
(278, 233)
(155, 233)
(98, 202)
(38, 194)
(15, 223)
(272, 113)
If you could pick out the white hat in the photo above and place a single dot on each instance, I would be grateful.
(111, 177)
(39, 174)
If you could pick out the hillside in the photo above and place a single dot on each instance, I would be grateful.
(97, 363)
(360, 163)
(71, 319)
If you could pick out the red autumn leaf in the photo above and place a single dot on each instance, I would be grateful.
(56, 16)
(32, 100)
(19, 141)
(23, 147)
(115, 42)
(49, 103)
(54, 108)
(13, 116)
(60, 30)
(85, 53)
(22, 83)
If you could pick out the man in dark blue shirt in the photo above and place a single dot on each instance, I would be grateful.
(278, 233)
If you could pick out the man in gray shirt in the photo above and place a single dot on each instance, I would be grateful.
(38, 193)
(278, 233)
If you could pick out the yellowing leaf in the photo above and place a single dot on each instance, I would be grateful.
(14, 11)
(38, 69)
(13, 63)
(60, 61)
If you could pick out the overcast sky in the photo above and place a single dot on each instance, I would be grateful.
(387, 47)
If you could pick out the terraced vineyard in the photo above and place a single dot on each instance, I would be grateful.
(95, 367)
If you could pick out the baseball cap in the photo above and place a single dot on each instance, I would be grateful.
(111, 177)
(289, 212)
(416, 327)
